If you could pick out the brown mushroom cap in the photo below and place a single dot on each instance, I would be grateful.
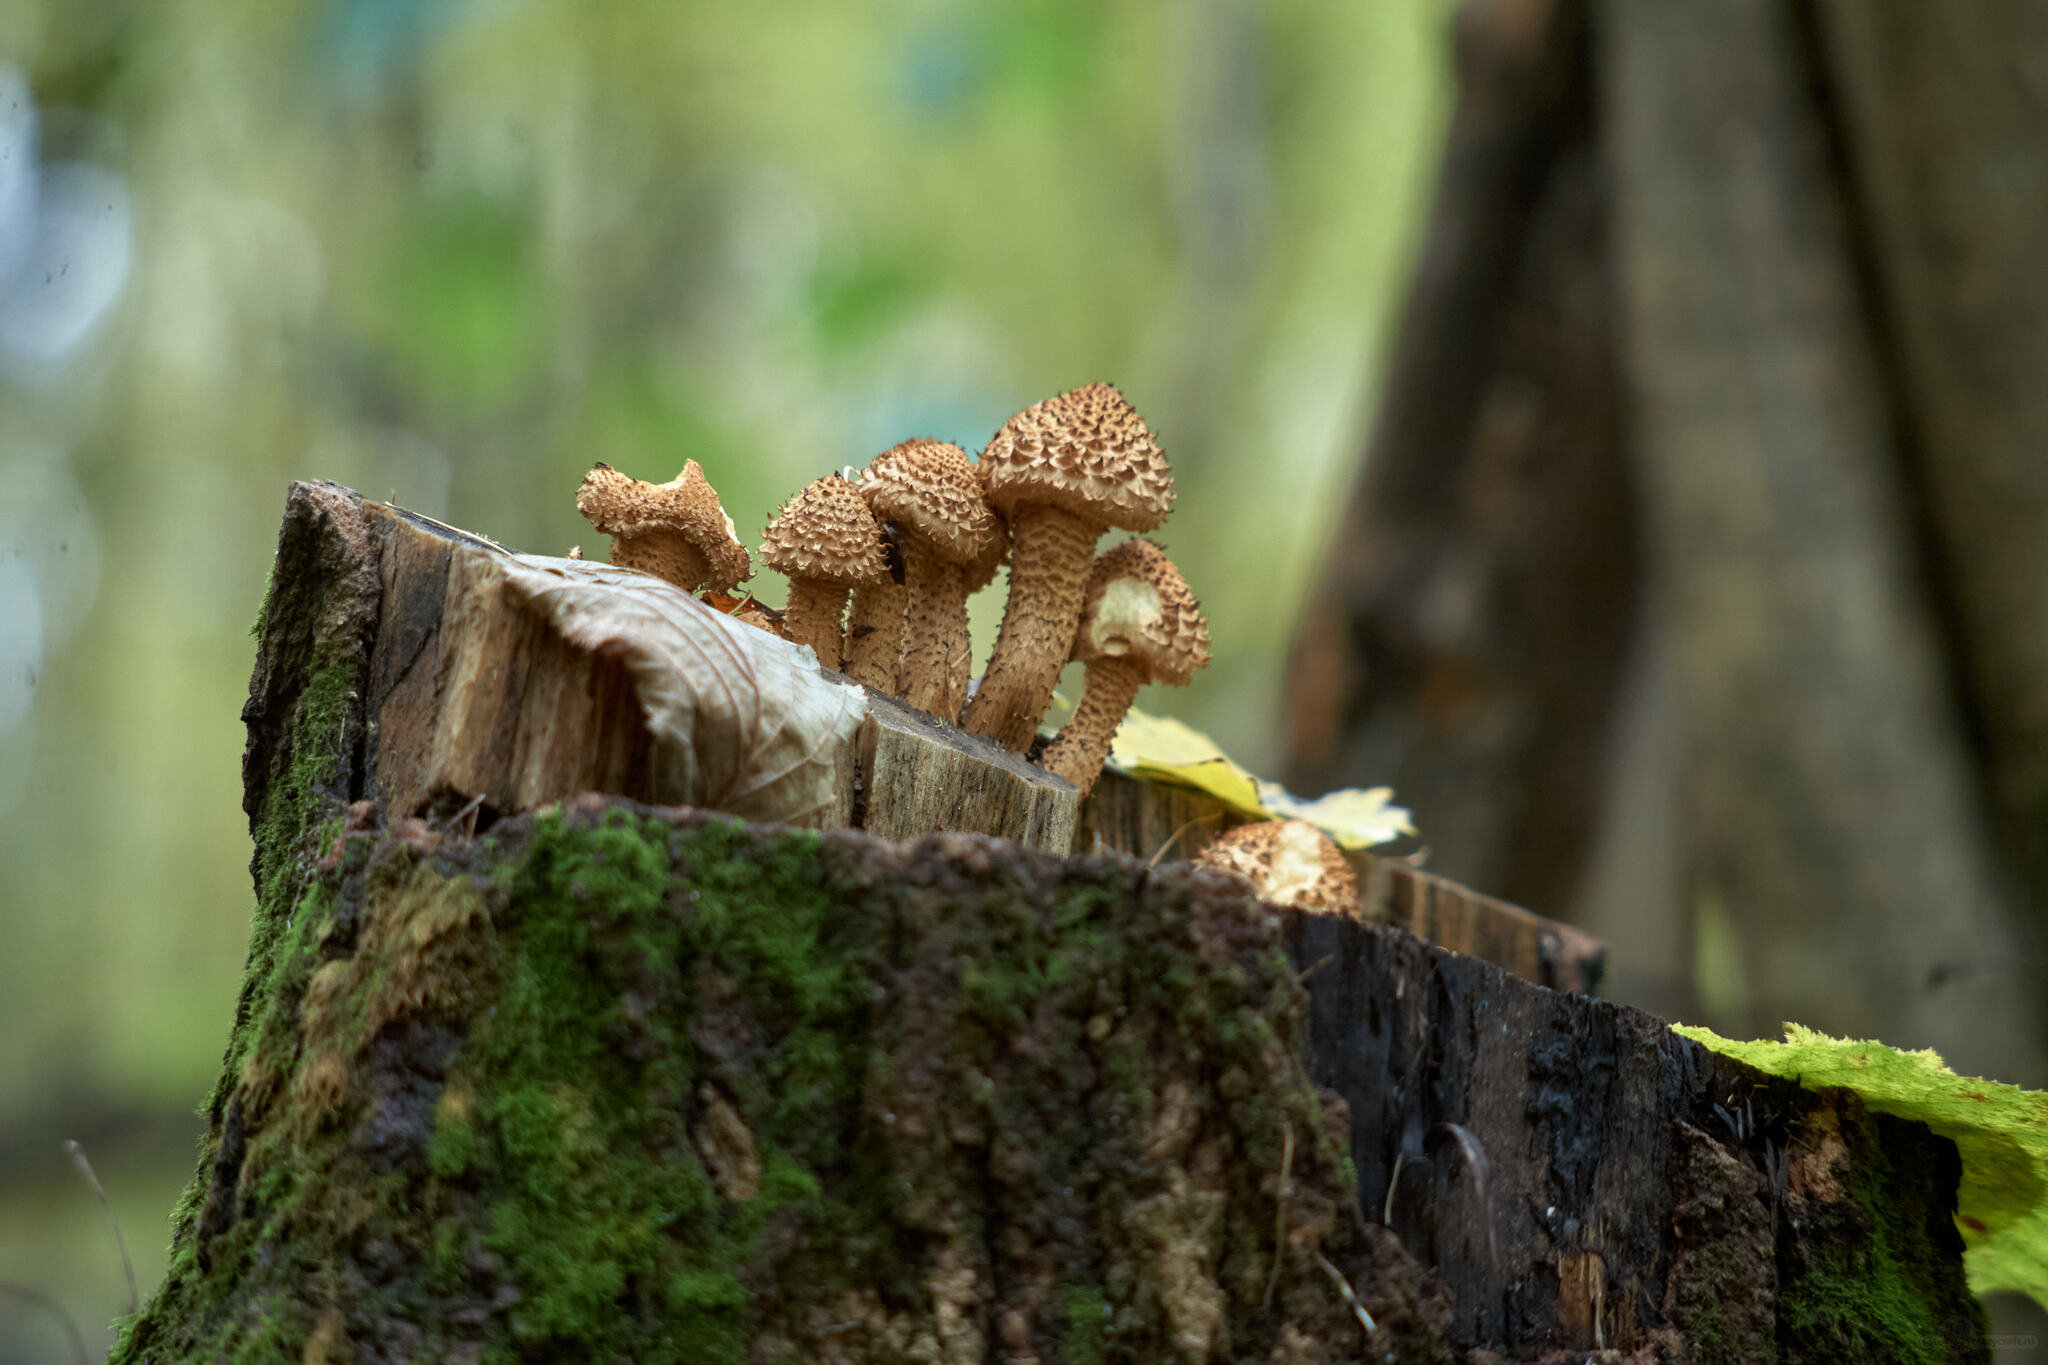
(1136, 606)
(685, 507)
(1087, 452)
(1289, 862)
(826, 534)
(929, 488)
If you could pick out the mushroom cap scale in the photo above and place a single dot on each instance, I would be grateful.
(827, 534)
(1137, 606)
(1289, 862)
(686, 507)
(1087, 451)
(929, 488)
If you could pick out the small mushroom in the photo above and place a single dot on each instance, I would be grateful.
(927, 489)
(1288, 862)
(874, 621)
(1139, 624)
(1063, 472)
(826, 542)
(674, 530)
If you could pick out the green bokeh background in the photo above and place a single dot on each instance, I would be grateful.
(452, 253)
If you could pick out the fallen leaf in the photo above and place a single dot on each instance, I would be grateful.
(742, 722)
(1162, 749)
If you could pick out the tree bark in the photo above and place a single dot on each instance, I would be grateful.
(1743, 301)
(606, 1080)
(1943, 119)
(1466, 641)
(1829, 808)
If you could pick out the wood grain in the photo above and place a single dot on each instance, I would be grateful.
(474, 701)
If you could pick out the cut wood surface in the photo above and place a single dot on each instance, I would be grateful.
(476, 697)
(475, 700)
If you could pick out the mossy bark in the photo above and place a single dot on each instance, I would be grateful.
(616, 1083)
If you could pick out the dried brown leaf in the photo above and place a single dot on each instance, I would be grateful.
(742, 722)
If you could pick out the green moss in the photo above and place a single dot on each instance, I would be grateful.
(644, 979)
(1862, 1294)
(263, 612)
(610, 1225)
(452, 1149)
(298, 814)
(1087, 1314)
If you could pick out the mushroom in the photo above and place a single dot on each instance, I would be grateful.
(978, 575)
(927, 489)
(674, 530)
(826, 542)
(1139, 624)
(874, 622)
(1288, 862)
(1063, 472)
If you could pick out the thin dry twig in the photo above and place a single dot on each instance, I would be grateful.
(1482, 1176)
(1280, 1211)
(1344, 1288)
(468, 812)
(76, 1151)
(1174, 837)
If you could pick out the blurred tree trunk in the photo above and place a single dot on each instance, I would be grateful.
(1467, 640)
(1808, 238)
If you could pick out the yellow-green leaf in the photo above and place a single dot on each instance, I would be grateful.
(1162, 749)
(2001, 1132)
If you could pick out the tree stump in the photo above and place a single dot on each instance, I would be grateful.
(606, 1079)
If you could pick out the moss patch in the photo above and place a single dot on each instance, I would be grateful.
(614, 1085)
(1858, 1283)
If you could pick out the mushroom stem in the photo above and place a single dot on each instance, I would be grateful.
(874, 634)
(1049, 561)
(812, 617)
(933, 676)
(665, 556)
(1078, 753)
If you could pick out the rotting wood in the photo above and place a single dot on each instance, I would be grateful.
(474, 699)
(1159, 823)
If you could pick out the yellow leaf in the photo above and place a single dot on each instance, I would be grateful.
(1165, 750)
(1162, 748)
(1354, 817)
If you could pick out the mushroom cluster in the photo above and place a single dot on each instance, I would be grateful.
(909, 538)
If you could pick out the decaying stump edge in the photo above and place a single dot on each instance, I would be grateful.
(1571, 1173)
(472, 697)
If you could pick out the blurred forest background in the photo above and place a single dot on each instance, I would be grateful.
(452, 253)
(1680, 368)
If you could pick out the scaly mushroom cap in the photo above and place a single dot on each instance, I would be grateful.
(826, 534)
(1289, 862)
(1139, 624)
(1138, 607)
(1087, 452)
(684, 509)
(929, 488)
